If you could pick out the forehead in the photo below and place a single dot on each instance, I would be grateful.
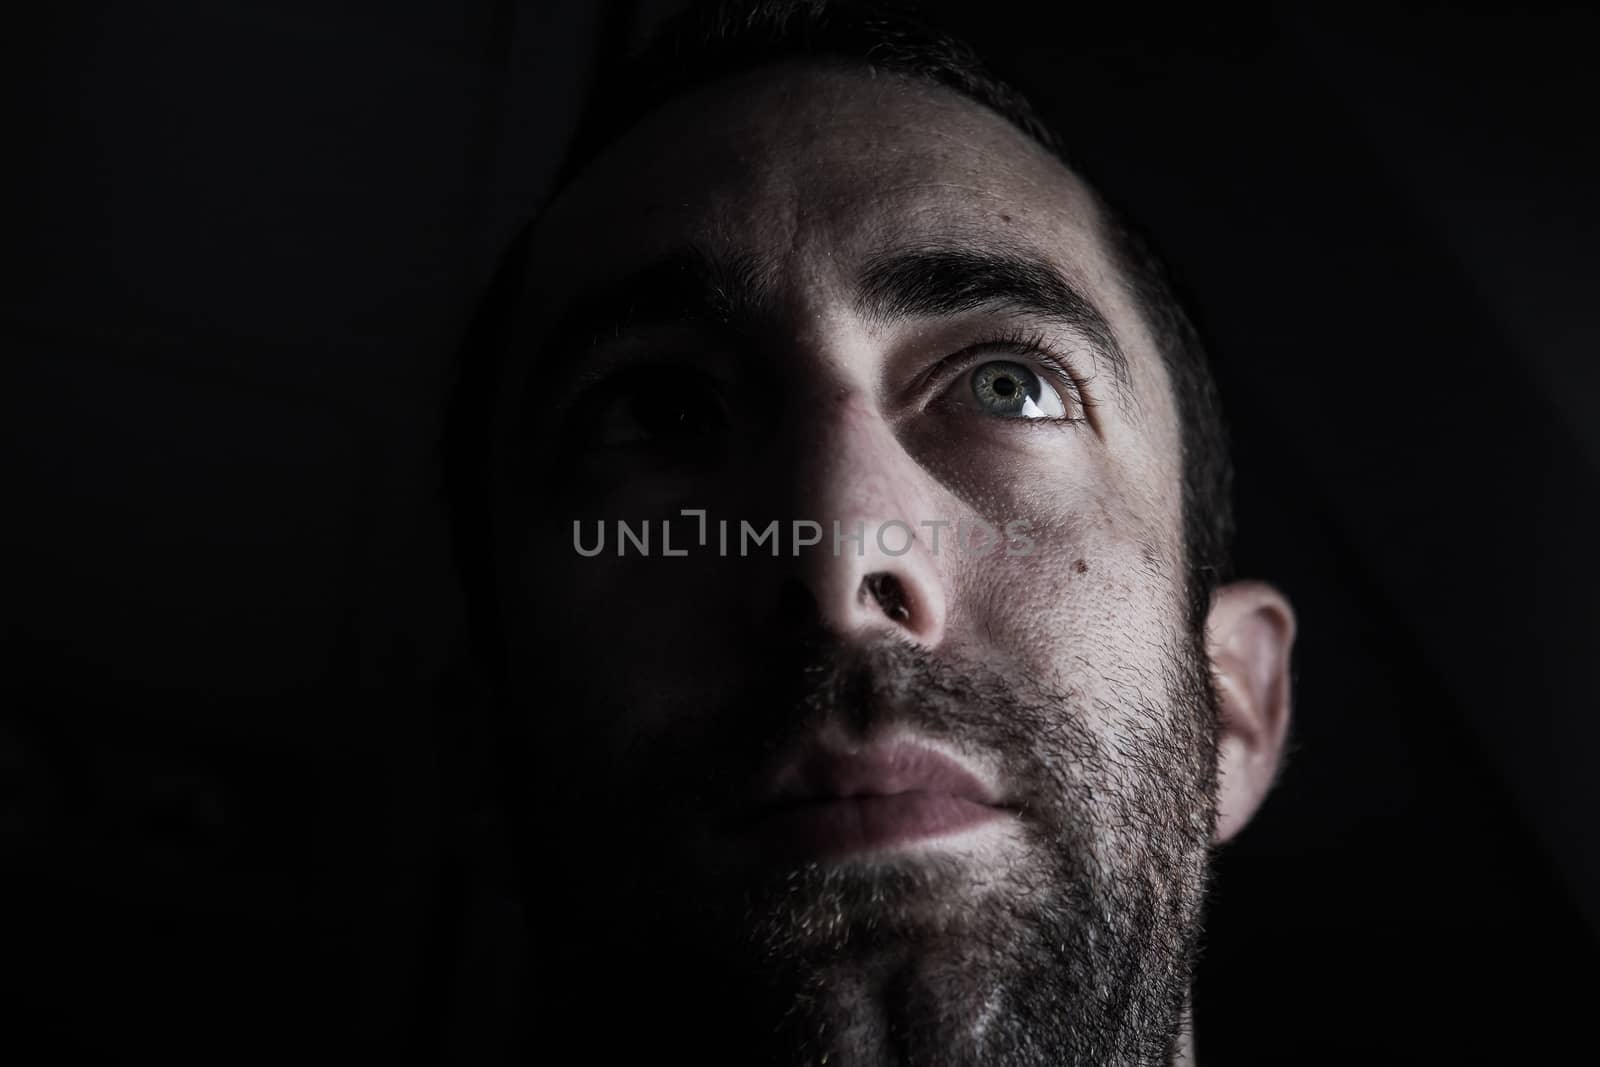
(803, 165)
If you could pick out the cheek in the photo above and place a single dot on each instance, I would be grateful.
(1076, 594)
(1094, 605)
(623, 636)
(601, 583)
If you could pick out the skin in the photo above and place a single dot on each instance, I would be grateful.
(620, 662)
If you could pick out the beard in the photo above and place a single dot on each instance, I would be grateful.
(1075, 945)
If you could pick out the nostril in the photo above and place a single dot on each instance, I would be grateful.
(885, 589)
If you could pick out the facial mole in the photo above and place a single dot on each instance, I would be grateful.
(1081, 566)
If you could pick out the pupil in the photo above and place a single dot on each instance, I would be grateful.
(1005, 386)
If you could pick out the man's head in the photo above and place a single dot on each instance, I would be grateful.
(865, 790)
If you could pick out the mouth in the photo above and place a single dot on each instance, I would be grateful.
(830, 802)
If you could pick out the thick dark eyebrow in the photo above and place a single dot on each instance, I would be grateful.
(945, 282)
(685, 287)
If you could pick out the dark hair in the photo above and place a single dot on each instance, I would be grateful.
(712, 41)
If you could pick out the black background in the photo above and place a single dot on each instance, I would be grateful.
(241, 245)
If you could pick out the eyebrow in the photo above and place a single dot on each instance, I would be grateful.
(734, 295)
(685, 287)
(946, 282)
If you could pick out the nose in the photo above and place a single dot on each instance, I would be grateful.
(874, 566)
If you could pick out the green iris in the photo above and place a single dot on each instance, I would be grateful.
(1010, 389)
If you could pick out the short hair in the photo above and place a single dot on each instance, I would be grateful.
(711, 41)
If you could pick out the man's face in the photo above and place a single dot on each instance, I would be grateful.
(880, 798)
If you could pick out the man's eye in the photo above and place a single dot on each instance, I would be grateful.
(1013, 391)
(666, 406)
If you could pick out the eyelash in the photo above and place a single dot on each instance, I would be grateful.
(1032, 346)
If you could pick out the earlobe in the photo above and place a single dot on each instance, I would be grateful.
(1249, 635)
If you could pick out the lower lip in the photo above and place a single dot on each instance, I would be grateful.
(827, 829)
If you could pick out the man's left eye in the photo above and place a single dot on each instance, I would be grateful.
(1013, 391)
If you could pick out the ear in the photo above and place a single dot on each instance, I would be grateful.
(1249, 634)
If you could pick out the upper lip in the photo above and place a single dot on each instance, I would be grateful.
(829, 772)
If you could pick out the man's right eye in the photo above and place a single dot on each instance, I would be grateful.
(667, 406)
